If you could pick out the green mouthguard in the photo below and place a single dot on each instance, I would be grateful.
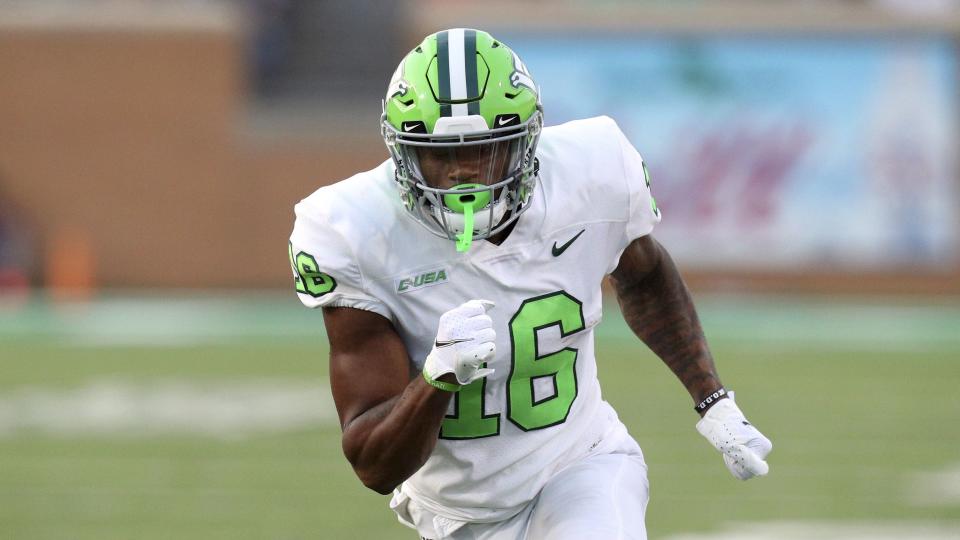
(465, 204)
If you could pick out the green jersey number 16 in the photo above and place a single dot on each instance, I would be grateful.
(527, 365)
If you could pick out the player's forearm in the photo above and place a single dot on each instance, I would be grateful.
(391, 441)
(659, 309)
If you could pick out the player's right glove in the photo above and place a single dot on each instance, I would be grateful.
(465, 341)
(742, 445)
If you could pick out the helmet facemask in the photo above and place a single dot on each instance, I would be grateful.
(465, 182)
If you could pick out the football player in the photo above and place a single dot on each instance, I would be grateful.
(460, 283)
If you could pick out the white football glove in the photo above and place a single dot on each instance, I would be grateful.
(742, 445)
(465, 340)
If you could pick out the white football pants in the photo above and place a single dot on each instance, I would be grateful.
(602, 497)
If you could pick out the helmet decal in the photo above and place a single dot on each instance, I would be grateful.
(520, 76)
(398, 87)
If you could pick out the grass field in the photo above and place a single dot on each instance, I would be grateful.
(209, 418)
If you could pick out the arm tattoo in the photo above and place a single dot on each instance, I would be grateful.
(658, 308)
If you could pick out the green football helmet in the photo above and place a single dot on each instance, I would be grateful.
(461, 120)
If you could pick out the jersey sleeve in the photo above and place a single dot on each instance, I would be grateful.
(643, 213)
(325, 269)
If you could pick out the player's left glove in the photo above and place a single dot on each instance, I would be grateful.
(743, 446)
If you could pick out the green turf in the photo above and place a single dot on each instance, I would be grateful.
(852, 419)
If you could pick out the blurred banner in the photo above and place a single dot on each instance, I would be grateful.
(774, 153)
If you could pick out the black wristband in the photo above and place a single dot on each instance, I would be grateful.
(711, 400)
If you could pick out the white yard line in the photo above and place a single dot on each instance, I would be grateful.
(826, 530)
(116, 407)
(938, 488)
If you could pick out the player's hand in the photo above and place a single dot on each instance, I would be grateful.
(465, 340)
(743, 446)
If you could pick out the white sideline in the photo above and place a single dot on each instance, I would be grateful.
(170, 320)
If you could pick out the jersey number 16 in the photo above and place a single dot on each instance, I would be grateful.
(527, 366)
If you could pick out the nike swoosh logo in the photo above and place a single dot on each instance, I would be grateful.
(557, 251)
(409, 126)
(504, 121)
(442, 344)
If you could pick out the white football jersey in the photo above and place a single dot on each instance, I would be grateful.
(354, 245)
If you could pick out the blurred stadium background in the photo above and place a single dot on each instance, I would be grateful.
(158, 378)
